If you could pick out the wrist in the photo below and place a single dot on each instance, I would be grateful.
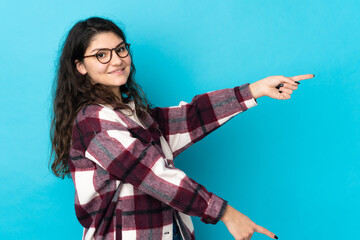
(225, 217)
(255, 90)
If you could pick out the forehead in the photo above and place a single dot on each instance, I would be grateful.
(104, 40)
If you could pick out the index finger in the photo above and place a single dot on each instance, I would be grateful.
(266, 232)
(302, 77)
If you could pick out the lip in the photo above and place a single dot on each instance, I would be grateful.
(117, 71)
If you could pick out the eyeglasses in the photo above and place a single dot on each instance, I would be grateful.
(104, 55)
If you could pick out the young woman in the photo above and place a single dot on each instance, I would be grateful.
(119, 150)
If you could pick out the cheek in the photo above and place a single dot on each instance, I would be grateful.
(102, 68)
(128, 60)
(98, 69)
(98, 73)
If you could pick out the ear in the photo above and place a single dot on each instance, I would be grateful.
(80, 67)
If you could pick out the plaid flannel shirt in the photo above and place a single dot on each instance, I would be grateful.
(126, 188)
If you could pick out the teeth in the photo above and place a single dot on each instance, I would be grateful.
(119, 70)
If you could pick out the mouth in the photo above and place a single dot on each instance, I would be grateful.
(119, 70)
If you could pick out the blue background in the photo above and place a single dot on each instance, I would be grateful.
(291, 166)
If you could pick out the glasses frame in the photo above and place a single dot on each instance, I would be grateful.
(127, 46)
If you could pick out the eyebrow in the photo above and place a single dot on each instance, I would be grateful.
(96, 49)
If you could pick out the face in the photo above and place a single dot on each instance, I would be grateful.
(114, 73)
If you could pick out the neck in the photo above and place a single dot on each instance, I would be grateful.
(117, 92)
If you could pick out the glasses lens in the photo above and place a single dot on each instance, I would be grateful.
(103, 55)
(122, 51)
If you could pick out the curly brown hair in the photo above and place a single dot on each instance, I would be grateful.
(72, 90)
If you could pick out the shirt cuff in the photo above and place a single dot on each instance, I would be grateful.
(244, 96)
(215, 210)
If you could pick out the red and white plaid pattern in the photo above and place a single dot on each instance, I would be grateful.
(126, 188)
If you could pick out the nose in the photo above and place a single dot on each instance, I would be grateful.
(115, 59)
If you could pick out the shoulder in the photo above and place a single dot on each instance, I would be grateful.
(96, 111)
(100, 117)
(85, 119)
(89, 111)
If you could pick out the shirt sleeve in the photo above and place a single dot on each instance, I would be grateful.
(187, 123)
(138, 162)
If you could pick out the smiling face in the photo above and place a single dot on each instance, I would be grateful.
(114, 73)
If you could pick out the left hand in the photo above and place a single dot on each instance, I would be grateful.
(267, 86)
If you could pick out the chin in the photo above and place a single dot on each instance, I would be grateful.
(122, 84)
(119, 81)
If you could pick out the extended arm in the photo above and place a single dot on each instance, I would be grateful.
(187, 123)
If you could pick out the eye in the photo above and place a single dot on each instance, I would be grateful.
(101, 54)
(121, 49)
